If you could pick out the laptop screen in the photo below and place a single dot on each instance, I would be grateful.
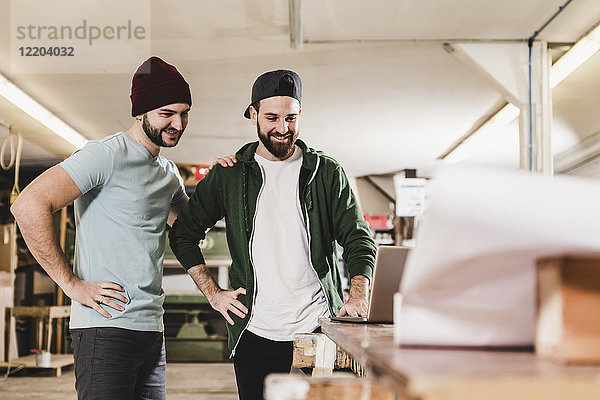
(389, 267)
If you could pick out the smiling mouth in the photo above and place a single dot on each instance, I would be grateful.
(281, 138)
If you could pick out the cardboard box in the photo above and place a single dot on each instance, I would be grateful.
(568, 308)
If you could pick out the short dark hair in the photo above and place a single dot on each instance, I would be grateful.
(256, 105)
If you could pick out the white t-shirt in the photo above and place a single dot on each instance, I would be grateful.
(288, 295)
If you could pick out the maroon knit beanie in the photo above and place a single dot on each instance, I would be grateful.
(156, 84)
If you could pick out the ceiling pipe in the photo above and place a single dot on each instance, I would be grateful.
(530, 45)
(508, 108)
(296, 28)
(5, 124)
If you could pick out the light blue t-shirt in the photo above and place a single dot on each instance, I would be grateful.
(121, 221)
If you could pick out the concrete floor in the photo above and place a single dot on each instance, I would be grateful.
(184, 381)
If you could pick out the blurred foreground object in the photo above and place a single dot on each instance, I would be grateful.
(470, 281)
(568, 322)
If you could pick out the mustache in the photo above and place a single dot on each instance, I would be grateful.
(280, 136)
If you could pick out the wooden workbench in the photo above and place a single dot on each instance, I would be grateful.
(443, 374)
(43, 315)
(58, 364)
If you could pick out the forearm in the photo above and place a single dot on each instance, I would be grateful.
(224, 301)
(204, 281)
(359, 287)
(37, 228)
(357, 304)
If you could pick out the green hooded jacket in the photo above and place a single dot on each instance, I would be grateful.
(330, 211)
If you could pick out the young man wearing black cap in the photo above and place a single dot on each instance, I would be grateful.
(285, 206)
(125, 194)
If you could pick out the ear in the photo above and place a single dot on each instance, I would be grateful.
(253, 115)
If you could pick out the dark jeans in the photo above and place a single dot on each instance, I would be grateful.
(119, 364)
(256, 357)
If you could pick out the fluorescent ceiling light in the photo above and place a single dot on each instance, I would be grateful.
(585, 48)
(577, 55)
(40, 113)
(457, 155)
(506, 115)
(65, 131)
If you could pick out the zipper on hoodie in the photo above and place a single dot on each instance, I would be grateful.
(262, 185)
(307, 222)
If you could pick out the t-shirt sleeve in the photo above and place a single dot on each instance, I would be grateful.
(180, 192)
(90, 166)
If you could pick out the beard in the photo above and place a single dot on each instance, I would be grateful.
(155, 134)
(280, 150)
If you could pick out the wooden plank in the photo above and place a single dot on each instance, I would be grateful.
(8, 249)
(7, 276)
(57, 363)
(339, 386)
(7, 333)
(60, 311)
(306, 347)
(428, 373)
(32, 312)
(57, 360)
(64, 218)
(44, 316)
(41, 311)
(568, 297)
(348, 389)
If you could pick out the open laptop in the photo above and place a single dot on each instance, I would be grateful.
(389, 267)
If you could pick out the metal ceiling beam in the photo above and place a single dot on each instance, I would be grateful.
(378, 188)
(296, 26)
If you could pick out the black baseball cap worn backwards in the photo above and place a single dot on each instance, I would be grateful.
(275, 83)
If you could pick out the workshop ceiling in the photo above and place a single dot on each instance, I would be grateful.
(380, 92)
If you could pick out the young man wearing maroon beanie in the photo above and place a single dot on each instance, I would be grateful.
(125, 194)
